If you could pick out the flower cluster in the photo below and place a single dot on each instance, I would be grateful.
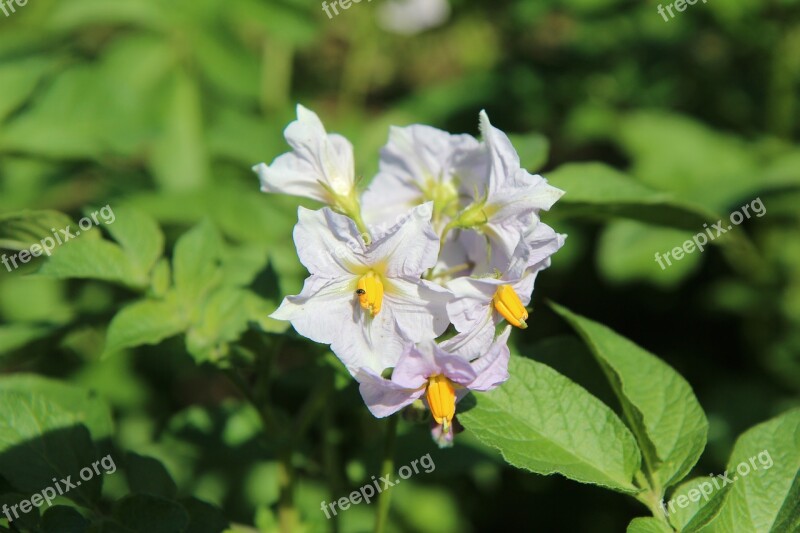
(447, 233)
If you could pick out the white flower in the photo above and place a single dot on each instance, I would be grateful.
(320, 166)
(417, 165)
(413, 16)
(366, 301)
(506, 198)
(481, 303)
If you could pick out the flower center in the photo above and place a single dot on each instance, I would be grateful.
(441, 396)
(370, 293)
(510, 306)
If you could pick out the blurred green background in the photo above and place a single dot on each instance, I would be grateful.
(159, 108)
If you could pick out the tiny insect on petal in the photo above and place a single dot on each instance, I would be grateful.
(510, 306)
(370, 293)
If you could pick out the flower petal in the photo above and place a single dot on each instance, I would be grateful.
(471, 301)
(327, 311)
(317, 158)
(415, 366)
(474, 341)
(418, 306)
(492, 367)
(410, 247)
(328, 244)
(384, 397)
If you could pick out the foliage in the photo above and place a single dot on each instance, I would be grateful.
(149, 339)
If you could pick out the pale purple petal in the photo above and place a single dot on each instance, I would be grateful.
(415, 366)
(444, 439)
(454, 367)
(542, 242)
(492, 367)
(384, 397)
(475, 341)
(472, 301)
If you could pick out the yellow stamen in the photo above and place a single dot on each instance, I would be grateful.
(441, 396)
(370, 293)
(510, 306)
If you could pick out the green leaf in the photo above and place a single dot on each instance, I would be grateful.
(599, 191)
(29, 521)
(626, 254)
(543, 422)
(195, 264)
(180, 160)
(533, 149)
(595, 190)
(659, 405)
(223, 319)
(20, 230)
(47, 430)
(63, 519)
(204, 517)
(145, 322)
(764, 493)
(84, 405)
(14, 336)
(19, 80)
(148, 476)
(150, 514)
(93, 259)
(671, 152)
(695, 503)
(648, 525)
(138, 234)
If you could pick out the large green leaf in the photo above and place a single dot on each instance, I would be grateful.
(533, 150)
(764, 469)
(695, 503)
(180, 159)
(20, 230)
(543, 422)
(47, 430)
(648, 525)
(142, 513)
(138, 234)
(19, 80)
(195, 264)
(659, 405)
(145, 322)
(671, 153)
(597, 190)
(627, 253)
(93, 259)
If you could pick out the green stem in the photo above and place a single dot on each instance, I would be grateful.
(287, 514)
(384, 499)
(651, 498)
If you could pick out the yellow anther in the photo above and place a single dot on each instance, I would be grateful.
(370, 293)
(510, 306)
(441, 396)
